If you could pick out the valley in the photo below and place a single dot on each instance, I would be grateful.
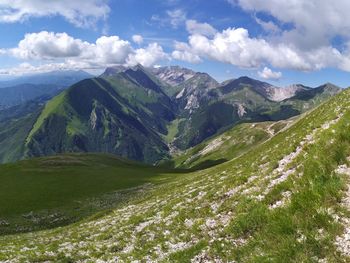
(275, 202)
(146, 115)
(53, 191)
(121, 163)
(174, 131)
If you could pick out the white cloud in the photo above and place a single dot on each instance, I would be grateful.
(193, 27)
(176, 17)
(138, 39)
(268, 26)
(50, 46)
(183, 52)
(267, 73)
(26, 68)
(47, 45)
(61, 51)
(82, 13)
(314, 22)
(147, 56)
(109, 50)
(186, 56)
(236, 47)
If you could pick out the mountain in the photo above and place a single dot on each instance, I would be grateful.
(92, 116)
(21, 93)
(27, 88)
(62, 78)
(173, 75)
(285, 200)
(228, 145)
(15, 125)
(245, 100)
(196, 91)
(128, 111)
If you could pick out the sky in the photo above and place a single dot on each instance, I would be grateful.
(278, 41)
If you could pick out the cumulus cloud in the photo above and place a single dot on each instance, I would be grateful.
(193, 27)
(82, 13)
(183, 52)
(314, 22)
(147, 56)
(138, 39)
(46, 45)
(49, 46)
(267, 73)
(61, 51)
(236, 47)
(109, 50)
(186, 56)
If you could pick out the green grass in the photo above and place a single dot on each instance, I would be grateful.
(69, 185)
(173, 129)
(217, 213)
(230, 144)
(50, 107)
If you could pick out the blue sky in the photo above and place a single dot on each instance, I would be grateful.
(277, 41)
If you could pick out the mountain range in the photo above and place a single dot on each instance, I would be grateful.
(279, 192)
(22, 89)
(147, 114)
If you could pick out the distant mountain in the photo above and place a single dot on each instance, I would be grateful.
(21, 93)
(15, 124)
(27, 88)
(122, 113)
(196, 91)
(147, 114)
(173, 75)
(62, 78)
(243, 100)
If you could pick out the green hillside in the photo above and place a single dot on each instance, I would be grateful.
(15, 124)
(243, 100)
(228, 145)
(280, 202)
(128, 112)
(92, 117)
(52, 191)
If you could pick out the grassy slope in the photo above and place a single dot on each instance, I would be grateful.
(51, 107)
(219, 213)
(228, 145)
(12, 136)
(91, 117)
(51, 191)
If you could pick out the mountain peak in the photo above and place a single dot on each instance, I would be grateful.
(113, 70)
(173, 75)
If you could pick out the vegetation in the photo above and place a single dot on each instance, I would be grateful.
(52, 191)
(278, 202)
(228, 145)
(129, 112)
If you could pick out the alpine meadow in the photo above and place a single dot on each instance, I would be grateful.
(174, 131)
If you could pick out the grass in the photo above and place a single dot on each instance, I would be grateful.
(50, 107)
(173, 129)
(68, 186)
(228, 145)
(224, 212)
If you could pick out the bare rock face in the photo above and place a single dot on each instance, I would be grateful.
(195, 91)
(241, 110)
(173, 75)
(280, 94)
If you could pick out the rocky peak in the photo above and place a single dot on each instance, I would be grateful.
(173, 75)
